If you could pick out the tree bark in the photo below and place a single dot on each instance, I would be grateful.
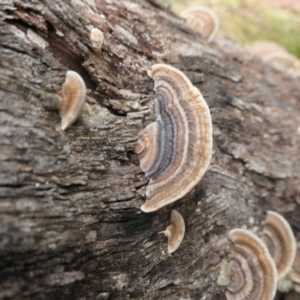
(70, 223)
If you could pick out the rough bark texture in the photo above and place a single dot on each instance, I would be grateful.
(70, 223)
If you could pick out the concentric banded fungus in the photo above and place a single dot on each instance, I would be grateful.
(251, 272)
(265, 48)
(175, 151)
(275, 54)
(70, 100)
(283, 60)
(175, 231)
(202, 19)
(280, 241)
(295, 274)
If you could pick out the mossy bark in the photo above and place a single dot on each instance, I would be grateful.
(70, 223)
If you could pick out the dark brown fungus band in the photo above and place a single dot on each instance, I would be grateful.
(203, 20)
(280, 240)
(175, 151)
(175, 231)
(251, 272)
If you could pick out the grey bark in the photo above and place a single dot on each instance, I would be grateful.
(70, 223)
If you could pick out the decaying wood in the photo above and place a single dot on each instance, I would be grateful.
(70, 223)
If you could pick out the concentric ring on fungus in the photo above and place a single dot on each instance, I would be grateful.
(280, 240)
(175, 151)
(251, 273)
(203, 20)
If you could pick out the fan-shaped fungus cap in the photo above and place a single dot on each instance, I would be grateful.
(265, 48)
(175, 151)
(280, 241)
(96, 36)
(275, 54)
(251, 272)
(203, 20)
(175, 231)
(72, 98)
(295, 274)
(283, 60)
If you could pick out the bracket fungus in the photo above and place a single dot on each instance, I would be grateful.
(70, 100)
(265, 48)
(283, 60)
(175, 231)
(251, 272)
(175, 151)
(276, 54)
(280, 241)
(203, 20)
(295, 274)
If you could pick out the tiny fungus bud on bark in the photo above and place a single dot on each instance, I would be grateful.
(251, 272)
(175, 151)
(295, 274)
(96, 36)
(280, 241)
(175, 231)
(70, 100)
(202, 19)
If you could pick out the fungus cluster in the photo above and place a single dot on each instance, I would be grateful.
(203, 20)
(70, 100)
(175, 151)
(251, 272)
(253, 256)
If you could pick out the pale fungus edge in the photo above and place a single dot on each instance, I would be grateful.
(73, 90)
(175, 231)
(285, 233)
